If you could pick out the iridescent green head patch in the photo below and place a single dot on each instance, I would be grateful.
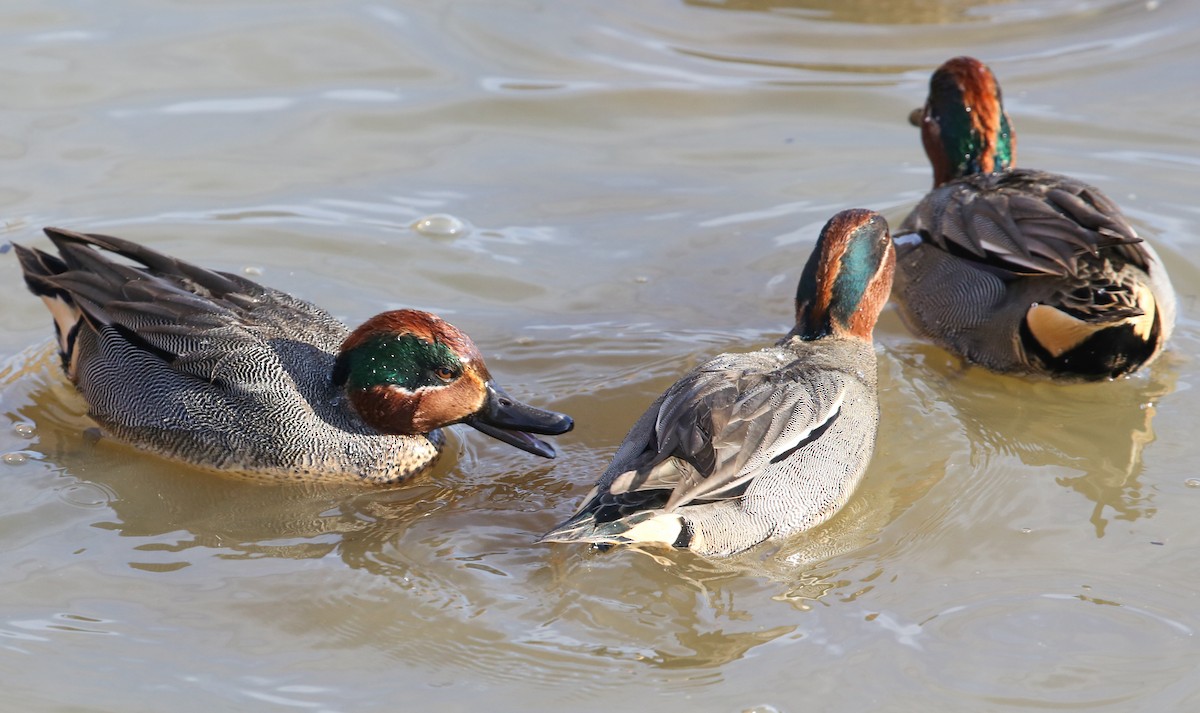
(402, 360)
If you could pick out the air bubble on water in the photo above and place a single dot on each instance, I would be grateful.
(25, 430)
(1192, 482)
(15, 458)
(440, 225)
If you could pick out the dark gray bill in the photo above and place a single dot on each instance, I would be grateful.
(506, 419)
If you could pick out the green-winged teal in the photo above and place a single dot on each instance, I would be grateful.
(760, 445)
(217, 371)
(1019, 270)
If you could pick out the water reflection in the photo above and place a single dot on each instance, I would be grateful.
(1091, 658)
(671, 610)
(1097, 430)
(868, 12)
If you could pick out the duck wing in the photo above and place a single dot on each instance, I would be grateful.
(1025, 222)
(200, 322)
(715, 430)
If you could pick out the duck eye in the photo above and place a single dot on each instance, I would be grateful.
(444, 373)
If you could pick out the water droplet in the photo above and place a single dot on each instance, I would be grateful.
(15, 458)
(1026, 530)
(25, 430)
(440, 225)
(253, 271)
(1192, 482)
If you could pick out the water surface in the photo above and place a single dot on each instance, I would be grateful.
(639, 184)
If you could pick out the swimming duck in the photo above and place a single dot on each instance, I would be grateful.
(1020, 270)
(217, 371)
(749, 447)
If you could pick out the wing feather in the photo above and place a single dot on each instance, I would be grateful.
(720, 426)
(201, 323)
(1025, 222)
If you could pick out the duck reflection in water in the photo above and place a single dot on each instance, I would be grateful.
(1097, 430)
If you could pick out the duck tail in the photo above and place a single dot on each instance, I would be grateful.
(647, 526)
(40, 270)
(77, 252)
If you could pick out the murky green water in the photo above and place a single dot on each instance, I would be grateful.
(642, 182)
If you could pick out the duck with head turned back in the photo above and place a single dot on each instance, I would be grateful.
(750, 447)
(224, 374)
(1019, 270)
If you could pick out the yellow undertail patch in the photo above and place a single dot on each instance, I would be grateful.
(66, 316)
(1057, 331)
(1145, 323)
(663, 528)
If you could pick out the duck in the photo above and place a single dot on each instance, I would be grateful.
(755, 446)
(219, 372)
(1019, 270)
